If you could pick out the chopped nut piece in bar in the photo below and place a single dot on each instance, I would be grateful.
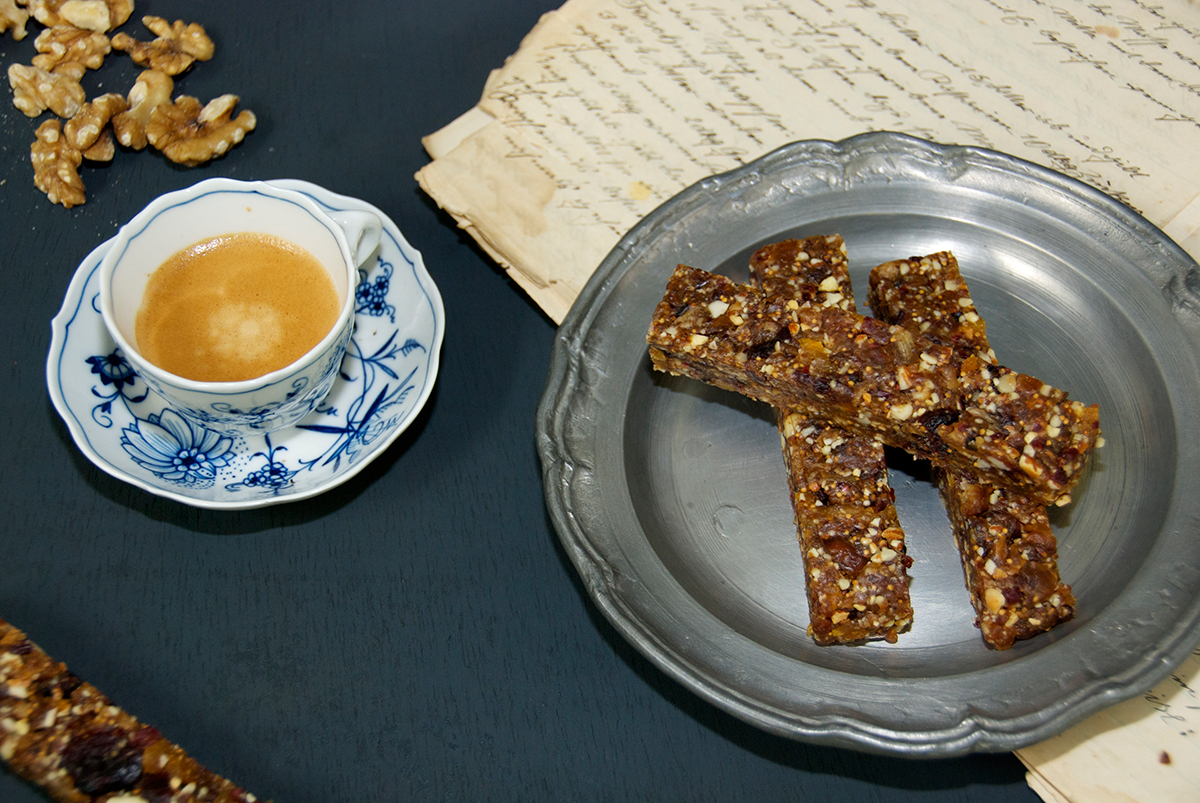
(855, 563)
(63, 735)
(877, 380)
(1009, 554)
(178, 45)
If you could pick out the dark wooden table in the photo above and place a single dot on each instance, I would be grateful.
(416, 633)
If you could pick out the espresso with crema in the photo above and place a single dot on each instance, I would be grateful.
(235, 307)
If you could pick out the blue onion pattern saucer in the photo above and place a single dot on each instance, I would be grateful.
(385, 379)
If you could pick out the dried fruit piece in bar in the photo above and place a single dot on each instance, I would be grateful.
(64, 736)
(874, 379)
(855, 563)
(1009, 554)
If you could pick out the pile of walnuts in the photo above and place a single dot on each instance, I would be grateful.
(75, 40)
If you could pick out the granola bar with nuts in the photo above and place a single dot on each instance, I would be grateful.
(1009, 554)
(64, 736)
(874, 379)
(855, 564)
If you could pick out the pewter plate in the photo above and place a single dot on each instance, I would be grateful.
(671, 499)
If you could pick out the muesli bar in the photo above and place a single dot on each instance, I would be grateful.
(64, 736)
(855, 562)
(1009, 554)
(928, 295)
(874, 379)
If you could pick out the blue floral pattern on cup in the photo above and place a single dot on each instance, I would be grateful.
(274, 476)
(380, 384)
(371, 295)
(187, 453)
(175, 449)
(115, 371)
(367, 417)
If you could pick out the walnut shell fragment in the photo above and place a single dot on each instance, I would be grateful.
(56, 165)
(14, 17)
(35, 90)
(151, 89)
(176, 48)
(68, 44)
(89, 124)
(190, 134)
(92, 15)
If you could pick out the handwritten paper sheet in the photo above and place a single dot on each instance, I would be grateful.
(1142, 749)
(610, 107)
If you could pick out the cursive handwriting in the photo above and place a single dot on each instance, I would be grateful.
(658, 94)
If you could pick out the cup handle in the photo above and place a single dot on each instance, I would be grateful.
(363, 230)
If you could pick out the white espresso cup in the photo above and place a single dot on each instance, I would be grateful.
(340, 241)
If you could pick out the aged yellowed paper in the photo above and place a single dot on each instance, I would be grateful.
(611, 107)
(1144, 749)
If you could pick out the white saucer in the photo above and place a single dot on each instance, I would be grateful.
(385, 379)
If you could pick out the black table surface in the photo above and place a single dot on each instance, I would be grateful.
(417, 632)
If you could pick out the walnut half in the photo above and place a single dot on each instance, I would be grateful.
(89, 125)
(91, 15)
(66, 43)
(151, 89)
(35, 90)
(177, 45)
(56, 165)
(13, 16)
(190, 134)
